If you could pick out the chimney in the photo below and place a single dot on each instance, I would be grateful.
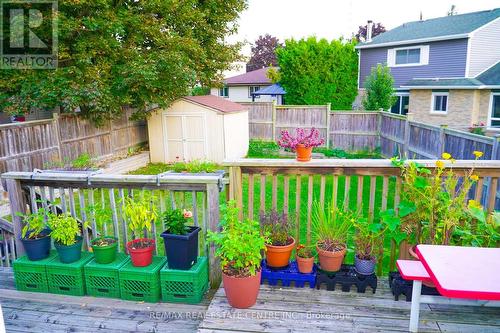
(369, 28)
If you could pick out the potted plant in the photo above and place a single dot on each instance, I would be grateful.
(305, 259)
(332, 226)
(66, 234)
(104, 247)
(279, 249)
(180, 240)
(365, 239)
(140, 213)
(302, 143)
(239, 247)
(35, 235)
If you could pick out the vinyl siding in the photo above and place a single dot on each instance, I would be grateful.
(485, 48)
(446, 59)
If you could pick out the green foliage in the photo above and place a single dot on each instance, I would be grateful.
(318, 72)
(34, 223)
(152, 169)
(239, 243)
(176, 221)
(304, 251)
(100, 214)
(84, 161)
(276, 227)
(64, 228)
(263, 149)
(195, 166)
(140, 213)
(379, 89)
(137, 53)
(332, 226)
(340, 153)
(367, 238)
(200, 91)
(480, 229)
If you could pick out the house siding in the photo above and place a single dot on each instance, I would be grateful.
(446, 59)
(485, 48)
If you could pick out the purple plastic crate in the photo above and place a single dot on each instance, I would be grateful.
(287, 275)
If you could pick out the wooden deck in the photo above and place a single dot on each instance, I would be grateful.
(277, 310)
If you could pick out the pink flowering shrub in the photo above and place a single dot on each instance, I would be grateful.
(307, 138)
(478, 128)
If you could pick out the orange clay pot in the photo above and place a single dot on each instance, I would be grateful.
(305, 265)
(303, 153)
(279, 256)
(330, 261)
(241, 292)
(414, 255)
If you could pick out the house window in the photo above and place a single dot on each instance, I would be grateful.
(408, 56)
(252, 89)
(401, 104)
(494, 119)
(224, 92)
(439, 103)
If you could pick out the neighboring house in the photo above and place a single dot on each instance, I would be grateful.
(240, 88)
(445, 70)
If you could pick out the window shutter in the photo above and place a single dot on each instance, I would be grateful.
(424, 55)
(391, 57)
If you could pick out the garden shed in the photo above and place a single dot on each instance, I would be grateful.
(199, 127)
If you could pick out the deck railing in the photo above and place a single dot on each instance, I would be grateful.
(72, 192)
(367, 185)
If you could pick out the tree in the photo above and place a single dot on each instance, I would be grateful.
(263, 52)
(319, 72)
(137, 53)
(377, 29)
(379, 89)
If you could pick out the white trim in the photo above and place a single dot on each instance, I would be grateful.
(450, 87)
(467, 58)
(440, 78)
(413, 41)
(490, 111)
(423, 57)
(433, 96)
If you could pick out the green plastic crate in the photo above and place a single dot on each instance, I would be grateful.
(102, 280)
(67, 279)
(141, 283)
(32, 275)
(188, 286)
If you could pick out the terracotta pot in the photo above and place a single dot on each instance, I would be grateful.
(241, 293)
(279, 256)
(414, 256)
(303, 153)
(330, 261)
(141, 256)
(305, 265)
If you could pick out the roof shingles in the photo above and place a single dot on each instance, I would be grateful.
(258, 76)
(217, 103)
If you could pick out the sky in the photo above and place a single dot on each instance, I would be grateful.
(332, 19)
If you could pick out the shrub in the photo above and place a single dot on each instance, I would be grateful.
(379, 89)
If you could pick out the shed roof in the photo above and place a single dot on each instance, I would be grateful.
(447, 27)
(217, 103)
(275, 89)
(258, 76)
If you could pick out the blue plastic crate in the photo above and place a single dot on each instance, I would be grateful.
(287, 275)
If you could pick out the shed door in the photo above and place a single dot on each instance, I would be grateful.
(186, 137)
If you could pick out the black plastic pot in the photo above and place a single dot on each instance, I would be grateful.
(69, 253)
(37, 249)
(181, 250)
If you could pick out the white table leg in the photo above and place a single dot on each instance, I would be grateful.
(2, 324)
(415, 305)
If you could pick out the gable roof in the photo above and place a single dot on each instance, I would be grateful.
(441, 28)
(217, 103)
(488, 79)
(258, 76)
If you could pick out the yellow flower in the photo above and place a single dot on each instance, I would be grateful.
(474, 177)
(477, 153)
(440, 164)
(446, 156)
(474, 204)
(453, 160)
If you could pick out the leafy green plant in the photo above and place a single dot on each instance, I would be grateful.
(239, 243)
(195, 166)
(276, 226)
(304, 251)
(140, 213)
(379, 89)
(64, 228)
(332, 226)
(83, 161)
(480, 229)
(101, 216)
(367, 238)
(34, 223)
(176, 221)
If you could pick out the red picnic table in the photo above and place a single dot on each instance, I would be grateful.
(462, 275)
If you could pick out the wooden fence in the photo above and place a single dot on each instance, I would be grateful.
(368, 185)
(73, 192)
(28, 145)
(356, 130)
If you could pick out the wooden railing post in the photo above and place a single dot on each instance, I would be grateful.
(17, 205)
(442, 141)
(213, 216)
(236, 187)
(494, 149)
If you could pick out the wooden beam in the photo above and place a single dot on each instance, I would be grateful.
(17, 205)
(212, 193)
